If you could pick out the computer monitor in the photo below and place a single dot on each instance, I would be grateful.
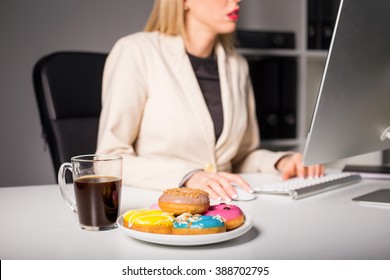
(352, 111)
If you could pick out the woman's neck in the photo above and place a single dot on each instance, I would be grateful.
(200, 44)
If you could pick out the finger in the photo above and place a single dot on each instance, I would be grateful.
(210, 191)
(293, 168)
(289, 171)
(302, 171)
(311, 171)
(317, 170)
(320, 170)
(238, 180)
(219, 190)
(290, 168)
(200, 181)
(225, 183)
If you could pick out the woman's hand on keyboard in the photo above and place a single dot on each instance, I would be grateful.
(292, 166)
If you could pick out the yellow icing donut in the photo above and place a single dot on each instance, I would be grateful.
(148, 220)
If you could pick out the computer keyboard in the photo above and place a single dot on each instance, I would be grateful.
(298, 188)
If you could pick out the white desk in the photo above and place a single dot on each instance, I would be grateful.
(37, 224)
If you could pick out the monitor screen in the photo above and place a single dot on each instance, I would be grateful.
(352, 111)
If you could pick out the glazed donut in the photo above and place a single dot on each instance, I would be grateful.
(187, 224)
(232, 214)
(184, 200)
(148, 220)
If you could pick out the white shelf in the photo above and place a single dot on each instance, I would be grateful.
(270, 52)
(281, 143)
(290, 16)
(314, 54)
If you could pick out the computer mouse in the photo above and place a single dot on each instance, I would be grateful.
(243, 195)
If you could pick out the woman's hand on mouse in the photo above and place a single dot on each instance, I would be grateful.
(217, 184)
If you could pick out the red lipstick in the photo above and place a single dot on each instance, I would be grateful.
(233, 15)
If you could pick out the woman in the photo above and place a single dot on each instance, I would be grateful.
(178, 104)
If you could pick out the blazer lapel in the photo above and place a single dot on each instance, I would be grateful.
(176, 57)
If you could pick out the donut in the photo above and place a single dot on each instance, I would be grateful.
(184, 200)
(148, 220)
(232, 214)
(188, 224)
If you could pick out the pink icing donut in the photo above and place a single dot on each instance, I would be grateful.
(232, 214)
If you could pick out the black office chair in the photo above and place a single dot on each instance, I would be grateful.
(68, 92)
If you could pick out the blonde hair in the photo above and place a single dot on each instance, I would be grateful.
(168, 17)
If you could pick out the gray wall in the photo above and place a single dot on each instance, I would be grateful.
(29, 30)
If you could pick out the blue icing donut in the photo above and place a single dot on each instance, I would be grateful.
(188, 221)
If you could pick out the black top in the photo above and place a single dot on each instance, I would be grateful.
(206, 72)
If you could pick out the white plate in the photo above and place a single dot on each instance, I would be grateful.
(187, 240)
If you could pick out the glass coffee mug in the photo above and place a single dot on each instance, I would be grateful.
(97, 181)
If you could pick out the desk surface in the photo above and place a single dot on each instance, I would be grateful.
(37, 224)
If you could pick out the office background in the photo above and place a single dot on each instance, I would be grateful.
(32, 29)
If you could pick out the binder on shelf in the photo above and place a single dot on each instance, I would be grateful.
(274, 81)
(312, 24)
(265, 39)
(265, 80)
(288, 98)
(321, 18)
(329, 9)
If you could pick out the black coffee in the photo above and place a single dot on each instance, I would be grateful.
(97, 200)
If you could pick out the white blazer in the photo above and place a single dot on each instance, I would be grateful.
(155, 116)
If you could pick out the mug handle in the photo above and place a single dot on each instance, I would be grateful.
(63, 187)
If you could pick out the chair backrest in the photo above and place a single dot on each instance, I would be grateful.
(68, 92)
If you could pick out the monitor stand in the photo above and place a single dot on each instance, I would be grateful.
(369, 171)
(376, 198)
(385, 134)
(380, 197)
